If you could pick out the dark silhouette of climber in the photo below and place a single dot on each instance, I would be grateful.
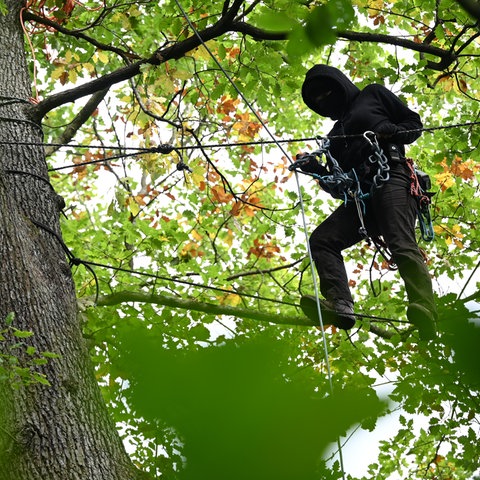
(390, 211)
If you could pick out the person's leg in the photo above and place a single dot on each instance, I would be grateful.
(395, 217)
(338, 232)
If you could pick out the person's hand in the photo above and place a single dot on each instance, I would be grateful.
(308, 163)
(386, 131)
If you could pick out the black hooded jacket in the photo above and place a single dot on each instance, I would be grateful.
(328, 92)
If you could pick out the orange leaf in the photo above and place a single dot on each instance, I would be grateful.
(237, 207)
(220, 194)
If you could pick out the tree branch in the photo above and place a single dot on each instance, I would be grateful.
(162, 55)
(224, 25)
(73, 127)
(209, 308)
(213, 309)
(446, 57)
(263, 272)
(30, 16)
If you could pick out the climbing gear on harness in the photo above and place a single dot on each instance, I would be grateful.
(378, 157)
(419, 186)
(335, 182)
(341, 185)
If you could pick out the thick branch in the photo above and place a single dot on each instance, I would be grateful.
(162, 55)
(209, 308)
(225, 24)
(213, 309)
(446, 57)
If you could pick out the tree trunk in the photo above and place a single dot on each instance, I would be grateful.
(61, 431)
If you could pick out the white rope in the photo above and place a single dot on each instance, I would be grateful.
(300, 195)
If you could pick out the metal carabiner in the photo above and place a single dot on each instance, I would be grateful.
(372, 141)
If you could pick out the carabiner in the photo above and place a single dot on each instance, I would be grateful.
(372, 142)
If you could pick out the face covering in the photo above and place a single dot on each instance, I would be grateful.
(324, 96)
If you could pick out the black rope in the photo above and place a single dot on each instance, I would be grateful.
(88, 265)
(73, 260)
(166, 148)
(21, 120)
(163, 149)
(30, 174)
(93, 162)
(11, 100)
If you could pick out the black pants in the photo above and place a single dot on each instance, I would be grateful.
(391, 213)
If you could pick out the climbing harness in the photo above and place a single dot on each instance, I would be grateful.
(419, 185)
(346, 186)
(335, 181)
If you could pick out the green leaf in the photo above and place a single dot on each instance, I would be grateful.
(22, 333)
(40, 378)
(275, 22)
(50, 355)
(319, 28)
(236, 398)
(10, 318)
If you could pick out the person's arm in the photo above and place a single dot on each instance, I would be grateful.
(401, 125)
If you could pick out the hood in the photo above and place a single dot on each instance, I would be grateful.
(327, 91)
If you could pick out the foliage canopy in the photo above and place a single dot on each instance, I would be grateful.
(169, 245)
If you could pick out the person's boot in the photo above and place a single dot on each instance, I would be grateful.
(334, 312)
(423, 319)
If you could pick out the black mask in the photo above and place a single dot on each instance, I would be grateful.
(325, 96)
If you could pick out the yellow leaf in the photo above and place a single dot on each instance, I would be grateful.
(57, 73)
(133, 206)
(72, 76)
(196, 235)
(89, 67)
(182, 74)
(229, 238)
(102, 56)
(201, 53)
(447, 83)
(165, 83)
(444, 180)
(231, 299)
(198, 174)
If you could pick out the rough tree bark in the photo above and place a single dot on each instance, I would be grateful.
(61, 431)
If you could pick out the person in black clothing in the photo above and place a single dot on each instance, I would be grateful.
(390, 212)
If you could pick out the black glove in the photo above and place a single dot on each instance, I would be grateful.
(388, 131)
(308, 163)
